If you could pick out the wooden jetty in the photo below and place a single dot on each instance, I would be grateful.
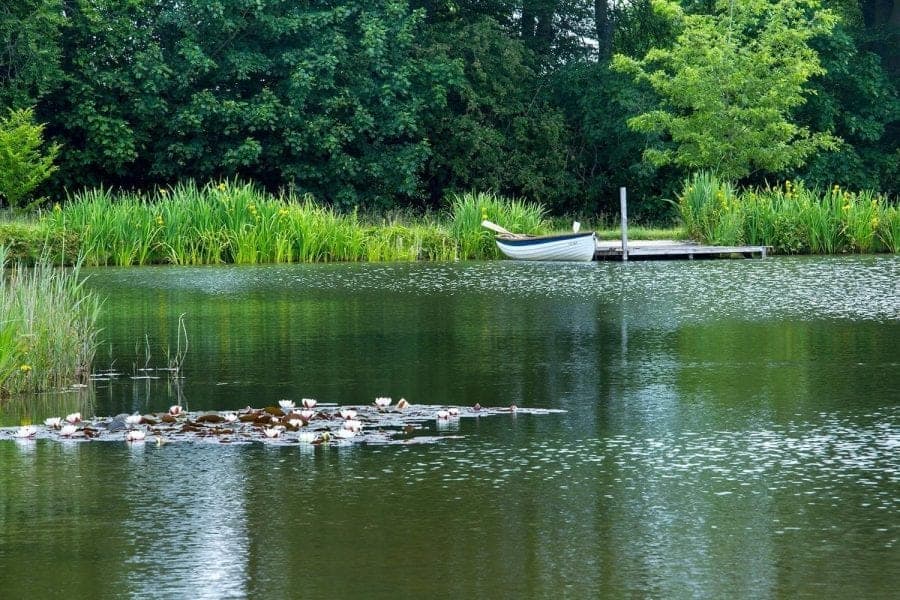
(671, 249)
(657, 249)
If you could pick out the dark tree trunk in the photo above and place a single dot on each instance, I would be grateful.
(537, 24)
(603, 28)
(528, 22)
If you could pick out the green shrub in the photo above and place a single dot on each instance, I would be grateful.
(709, 211)
(22, 164)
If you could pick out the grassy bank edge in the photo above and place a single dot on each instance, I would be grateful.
(234, 222)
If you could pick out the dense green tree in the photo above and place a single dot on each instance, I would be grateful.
(498, 131)
(318, 96)
(29, 50)
(605, 153)
(858, 99)
(728, 86)
(110, 109)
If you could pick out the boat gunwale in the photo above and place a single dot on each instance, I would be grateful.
(541, 239)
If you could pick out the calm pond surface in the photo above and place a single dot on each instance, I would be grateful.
(732, 429)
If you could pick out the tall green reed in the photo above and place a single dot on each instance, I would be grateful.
(710, 210)
(236, 222)
(889, 229)
(470, 209)
(48, 331)
(790, 217)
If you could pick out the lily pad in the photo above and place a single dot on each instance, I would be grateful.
(324, 427)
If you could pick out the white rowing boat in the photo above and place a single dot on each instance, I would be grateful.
(565, 246)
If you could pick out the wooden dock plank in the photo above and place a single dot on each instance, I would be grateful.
(673, 249)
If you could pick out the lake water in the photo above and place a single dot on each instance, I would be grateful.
(732, 429)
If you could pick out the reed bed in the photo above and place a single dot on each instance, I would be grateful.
(470, 209)
(48, 330)
(232, 222)
(790, 217)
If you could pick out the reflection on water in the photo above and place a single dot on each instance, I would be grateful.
(732, 429)
(712, 513)
(190, 527)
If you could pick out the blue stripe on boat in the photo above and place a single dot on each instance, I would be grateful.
(542, 239)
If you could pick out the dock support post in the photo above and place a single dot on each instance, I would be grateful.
(623, 202)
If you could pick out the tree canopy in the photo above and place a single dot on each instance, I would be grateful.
(728, 86)
(399, 102)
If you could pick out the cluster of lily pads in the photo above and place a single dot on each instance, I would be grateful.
(312, 422)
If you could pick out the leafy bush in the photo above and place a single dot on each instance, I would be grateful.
(22, 164)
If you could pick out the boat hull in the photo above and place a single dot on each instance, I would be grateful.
(568, 247)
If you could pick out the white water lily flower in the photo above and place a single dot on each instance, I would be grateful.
(286, 403)
(348, 413)
(272, 432)
(383, 402)
(175, 410)
(306, 415)
(308, 403)
(73, 417)
(230, 417)
(443, 414)
(296, 422)
(25, 431)
(346, 433)
(54, 422)
(454, 411)
(68, 430)
(135, 435)
(134, 419)
(352, 425)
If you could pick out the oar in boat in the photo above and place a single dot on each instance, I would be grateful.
(496, 228)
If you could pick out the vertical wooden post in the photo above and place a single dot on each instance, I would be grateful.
(623, 202)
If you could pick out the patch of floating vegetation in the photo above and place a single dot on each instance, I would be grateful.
(289, 423)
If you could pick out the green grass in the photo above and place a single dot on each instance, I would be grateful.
(641, 232)
(608, 228)
(47, 328)
(790, 218)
